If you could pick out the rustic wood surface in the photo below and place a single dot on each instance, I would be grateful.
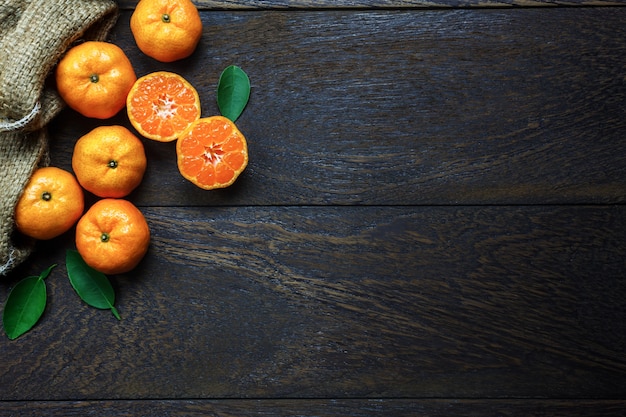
(382, 4)
(433, 222)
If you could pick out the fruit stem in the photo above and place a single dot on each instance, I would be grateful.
(165, 18)
(94, 78)
(46, 196)
(104, 237)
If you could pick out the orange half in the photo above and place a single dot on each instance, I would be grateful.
(212, 153)
(161, 105)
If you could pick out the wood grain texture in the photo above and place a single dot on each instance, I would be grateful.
(433, 222)
(320, 408)
(381, 4)
(438, 107)
(371, 302)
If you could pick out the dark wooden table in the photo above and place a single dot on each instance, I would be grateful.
(432, 223)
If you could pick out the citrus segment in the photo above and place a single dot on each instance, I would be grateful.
(212, 153)
(109, 161)
(94, 79)
(112, 236)
(161, 105)
(166, 30)
(50, 205)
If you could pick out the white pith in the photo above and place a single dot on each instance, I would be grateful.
(165, 107)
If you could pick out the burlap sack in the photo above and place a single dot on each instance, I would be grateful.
(34, 34)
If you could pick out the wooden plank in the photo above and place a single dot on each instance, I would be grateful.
(321, 408)
(413, 107)
(326, 285)
(342, 302)
(381, 4)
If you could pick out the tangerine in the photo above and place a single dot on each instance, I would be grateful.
(94, 79)
(166, 30)
(50, 205)
(212, 153)
(112, 236)
(109, 161)
(161, 105)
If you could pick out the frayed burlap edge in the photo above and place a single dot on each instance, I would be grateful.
(20, 154)
(40, 33)
(33, 37)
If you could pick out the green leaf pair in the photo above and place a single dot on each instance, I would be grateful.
(27, 300)
(233, 92)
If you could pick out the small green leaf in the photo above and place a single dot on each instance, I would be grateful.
(233, 92)
(92, 286)
(25, 305)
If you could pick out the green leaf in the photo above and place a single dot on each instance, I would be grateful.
(92, 286)
(25, 305)
(233, 92)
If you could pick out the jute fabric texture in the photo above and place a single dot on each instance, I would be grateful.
(34, 34)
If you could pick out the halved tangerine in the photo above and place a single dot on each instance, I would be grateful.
(161, 105)
(212, 152)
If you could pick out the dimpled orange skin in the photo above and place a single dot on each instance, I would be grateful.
(50, 205)
(112, 236)
(94, 79)
(109, 161)
(166, 30)
(212, 153)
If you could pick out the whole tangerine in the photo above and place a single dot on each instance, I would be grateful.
(112, 236)
(109, 161)
(50, 205)
(94, 79)
(166, 30)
